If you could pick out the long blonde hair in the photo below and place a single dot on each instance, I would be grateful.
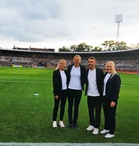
(57, 67)
(113, 66)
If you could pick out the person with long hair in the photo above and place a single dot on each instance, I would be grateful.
(76, 79)
(112, 83)
(60, 92)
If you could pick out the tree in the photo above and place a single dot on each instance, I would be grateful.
(97, 48)
(83, 47)
(73, 48)
(64, 49)
(113, 46)
(109, 45)
(121, 46)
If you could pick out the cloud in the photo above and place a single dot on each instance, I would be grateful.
(71, 21)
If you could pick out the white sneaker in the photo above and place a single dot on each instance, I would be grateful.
(104, 131)
(61, 124)
(95, 131)
(89, 128)
(109, 135)
(54, 124)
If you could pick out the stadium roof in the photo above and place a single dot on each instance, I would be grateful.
(95, 52)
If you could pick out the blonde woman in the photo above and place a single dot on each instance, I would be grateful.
(60, 92)
(112, 83)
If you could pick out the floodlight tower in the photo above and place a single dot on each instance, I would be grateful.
(118, 20)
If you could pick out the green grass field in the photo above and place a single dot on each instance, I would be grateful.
(26, 104)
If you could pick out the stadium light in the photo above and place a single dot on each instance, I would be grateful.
(118, 20)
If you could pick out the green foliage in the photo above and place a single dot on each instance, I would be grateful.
(63, 49)
(113, 46)
(26, 104)
(110, 45)
(83, 47)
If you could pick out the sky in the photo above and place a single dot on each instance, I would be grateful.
(58, 23)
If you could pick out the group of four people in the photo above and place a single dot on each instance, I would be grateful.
(100, 88)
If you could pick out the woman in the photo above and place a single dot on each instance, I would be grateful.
(59, 91)
(76, 78)
(112, 83)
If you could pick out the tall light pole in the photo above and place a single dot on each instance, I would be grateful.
(118, 20)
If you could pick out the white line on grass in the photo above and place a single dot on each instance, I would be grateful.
(24, 82)
(22, 78)
(67, 144)
(36, 94)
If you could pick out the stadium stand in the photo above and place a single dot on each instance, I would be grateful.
(126, 60)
